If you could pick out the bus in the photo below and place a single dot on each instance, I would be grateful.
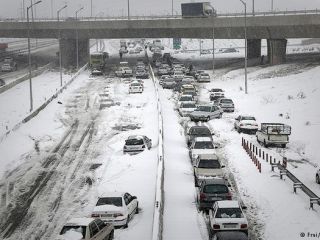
(98, 61)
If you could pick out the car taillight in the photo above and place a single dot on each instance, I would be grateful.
(242, 226)
(229, 196)
(202, 196)
(117, 215)
(216, 226)
(241, 125)
(94, 215)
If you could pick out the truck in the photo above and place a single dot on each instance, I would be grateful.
(273, 134)
(199, 9)
(9, 65)
(97, 62)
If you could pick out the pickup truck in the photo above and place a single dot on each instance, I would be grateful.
(273, 134)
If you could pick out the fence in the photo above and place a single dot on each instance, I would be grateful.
(257, 153)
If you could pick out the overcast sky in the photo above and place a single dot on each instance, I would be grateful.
(13, 8)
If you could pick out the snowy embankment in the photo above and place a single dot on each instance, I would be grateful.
(288, 94)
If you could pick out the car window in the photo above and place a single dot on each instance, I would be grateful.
(188, 105)
(79, 229)
(200, 131)
(226, 101)
(203, 145)
(93, 229)
(203, 108)
(248, 118)
(215, 189)
(134, 141)
(229, 213)
(214, 164)
(100, 224)
(126, 199)
(116, 201)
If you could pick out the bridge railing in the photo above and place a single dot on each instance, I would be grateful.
(157, 17)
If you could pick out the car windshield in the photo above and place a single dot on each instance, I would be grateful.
(134, 141)
(203, 145)
(116, 201)
(188, 105)
(229, 213)
(215, 189)
(79, 229)
(248, 118)
(216, 90)
(200, 131)
(204, 75)
(204, 108)
(186, 98)
(214, 164)
(226, 101)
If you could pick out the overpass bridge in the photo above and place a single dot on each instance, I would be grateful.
(275, 28)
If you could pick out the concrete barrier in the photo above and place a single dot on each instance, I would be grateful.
(39, 109)
(157, 227)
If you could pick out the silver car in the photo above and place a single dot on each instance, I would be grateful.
(136, 144)
(206, 113)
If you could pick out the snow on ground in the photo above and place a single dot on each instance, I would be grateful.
(181, 219)
(15, 102)
(288, 94)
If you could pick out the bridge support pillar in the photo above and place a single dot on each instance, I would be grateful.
(276, 51)
(69, 52)
(254, 48)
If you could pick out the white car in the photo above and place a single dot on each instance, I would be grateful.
(87, 229)
(186, 108)
(136, 144)
(226, 104)
(201, 145)
(216, 93)
(227, 215)
(185, 99)
(246, 123)
(162, 78)
(116, 208)
(204, 77)
(206, 112)
(135, 87)
(208, 166)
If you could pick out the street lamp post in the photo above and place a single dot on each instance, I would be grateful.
(214, 14)
(245, 54)
(172, 7)
(271, 5)
(253, 8)
(60, 55)
(29, 55)
(77, 38)
(128, 2)
(91, 9)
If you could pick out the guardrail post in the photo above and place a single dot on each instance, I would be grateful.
(259, 153)
(263, 155)
(250, 146)
(296, 185)
(283, 173)
(267, 157)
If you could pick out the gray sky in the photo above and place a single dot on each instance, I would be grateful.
(13, 8)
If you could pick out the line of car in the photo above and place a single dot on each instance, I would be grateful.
(214, 192)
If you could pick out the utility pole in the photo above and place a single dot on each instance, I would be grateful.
(60, 54)
(245, 54)
(29, 55)
(77, 38)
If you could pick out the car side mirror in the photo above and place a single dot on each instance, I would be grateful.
(223, 166)
(133, 197)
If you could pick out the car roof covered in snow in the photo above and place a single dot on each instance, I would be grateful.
(203, 139)
(79, 221)
(228, 204)
(135, 137)
(111, 194)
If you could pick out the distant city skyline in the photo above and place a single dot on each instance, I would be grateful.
(13, 9)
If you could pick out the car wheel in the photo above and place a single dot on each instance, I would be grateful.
(264, 143)
(137, 209)
(111, 235)
(208, 119)
(127, 223)
(283, 145)
(317, 179)
(239, 130)
(220, 116)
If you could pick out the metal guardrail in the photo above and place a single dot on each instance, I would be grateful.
(157, 17)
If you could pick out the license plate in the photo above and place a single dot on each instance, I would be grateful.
(230, 225)
(215, 199)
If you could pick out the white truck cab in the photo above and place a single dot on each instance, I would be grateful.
(273, 134)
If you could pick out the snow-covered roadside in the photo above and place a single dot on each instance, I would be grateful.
(181, 219)
(287, 94)
(15, 102)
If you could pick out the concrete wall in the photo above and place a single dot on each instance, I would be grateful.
(260, 27)
(276, 51)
